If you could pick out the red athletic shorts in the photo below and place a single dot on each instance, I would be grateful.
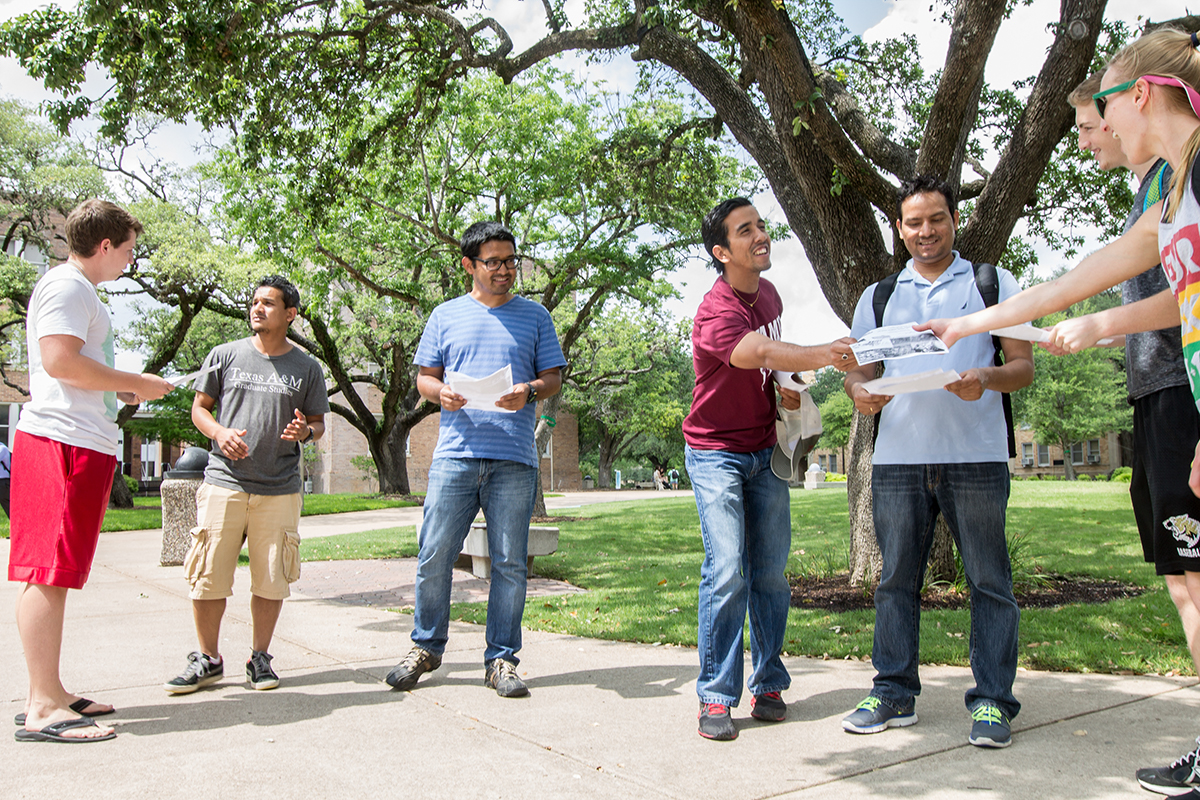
(59, 495)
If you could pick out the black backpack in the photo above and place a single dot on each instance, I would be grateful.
(988, 284)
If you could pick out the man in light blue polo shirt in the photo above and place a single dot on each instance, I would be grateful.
(942, 450)
(485, 456)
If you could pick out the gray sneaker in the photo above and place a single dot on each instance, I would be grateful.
(501, 675)
(1177, 779)
(873, 716)
(990, 726)
(418, 661)
(258, 671)
(201, 671)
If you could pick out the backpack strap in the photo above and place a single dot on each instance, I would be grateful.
(879, 301)
(883, 293)
(988, 284)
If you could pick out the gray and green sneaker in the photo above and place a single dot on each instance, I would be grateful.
(874, 716)
(990, 727)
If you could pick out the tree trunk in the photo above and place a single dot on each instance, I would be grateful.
(865, 561)
(1068, 467)
(391, 462)
(941, 554)
(541, 437)
(120, 496)
(608, 455)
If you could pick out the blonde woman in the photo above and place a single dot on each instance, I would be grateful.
(1148, 99)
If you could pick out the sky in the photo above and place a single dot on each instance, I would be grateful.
(1020, 47)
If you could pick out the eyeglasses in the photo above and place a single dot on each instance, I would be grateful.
(1100, 98)
(493, 264)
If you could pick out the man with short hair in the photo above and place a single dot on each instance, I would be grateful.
(745, 509)
(485, 456)
(1166, 425)
(271, 399)
(940, 451)
(65, 456)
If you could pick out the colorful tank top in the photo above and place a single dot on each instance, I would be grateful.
(1179, 247)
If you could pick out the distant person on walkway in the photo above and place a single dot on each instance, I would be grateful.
(1166, 424)
(485, 457)
(941, 451)
(5, 477)
(270, 399)
(64, 458)
(745, 511)
(659, 481)
(673, 475)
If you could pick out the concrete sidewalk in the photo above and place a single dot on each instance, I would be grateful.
(604, 719)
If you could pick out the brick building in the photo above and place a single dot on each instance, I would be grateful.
(342, 449)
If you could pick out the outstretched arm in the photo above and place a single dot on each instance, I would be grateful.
(1080, 333)
(756, 351)
(1132, 254)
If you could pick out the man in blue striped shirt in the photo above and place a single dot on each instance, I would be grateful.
(485, 456)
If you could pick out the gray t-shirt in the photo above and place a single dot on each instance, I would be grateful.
(259, 394)
(1154, 359)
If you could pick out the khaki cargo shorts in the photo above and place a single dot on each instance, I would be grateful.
(224, 520)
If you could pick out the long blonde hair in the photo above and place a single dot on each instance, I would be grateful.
(1167, 52)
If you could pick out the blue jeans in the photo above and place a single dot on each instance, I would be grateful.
(973, 498)
(458, 488)
(746, 523)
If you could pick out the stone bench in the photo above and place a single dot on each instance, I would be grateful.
(644, 485)
(543, 541)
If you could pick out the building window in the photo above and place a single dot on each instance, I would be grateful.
(151, 456)
(1077, 453)
(4, 426)
(823, 463)
(833, 462)
(1027, 454)
(1043, 455)
(1093, 451)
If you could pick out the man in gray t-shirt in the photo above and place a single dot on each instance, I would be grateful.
(258, 400)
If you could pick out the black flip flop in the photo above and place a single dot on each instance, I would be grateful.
(53, 732)
(78, 706)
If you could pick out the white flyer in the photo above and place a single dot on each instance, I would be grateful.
(482, 393)
(896, 341)
(191, 376)
(1028, 333)
(917, 382)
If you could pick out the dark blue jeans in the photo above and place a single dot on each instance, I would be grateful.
(973, 498)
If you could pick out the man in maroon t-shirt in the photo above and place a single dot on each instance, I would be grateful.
(745, 511)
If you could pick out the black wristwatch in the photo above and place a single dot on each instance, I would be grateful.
(532, 396)
(309, 438)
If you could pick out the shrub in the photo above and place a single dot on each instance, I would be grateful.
(131, 483)
(1083, 477)
(835, 477)
(1122, 474)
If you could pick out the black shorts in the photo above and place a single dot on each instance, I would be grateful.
(1166, 427)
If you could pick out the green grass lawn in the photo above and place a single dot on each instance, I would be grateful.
(641, 561)
(147, 511)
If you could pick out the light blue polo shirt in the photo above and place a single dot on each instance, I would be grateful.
(938, 427)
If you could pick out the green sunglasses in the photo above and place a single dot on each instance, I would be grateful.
(1099, 98)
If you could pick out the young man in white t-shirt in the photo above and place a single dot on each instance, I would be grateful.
(64, 458)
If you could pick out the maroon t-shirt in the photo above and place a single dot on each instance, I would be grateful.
(732, 409)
